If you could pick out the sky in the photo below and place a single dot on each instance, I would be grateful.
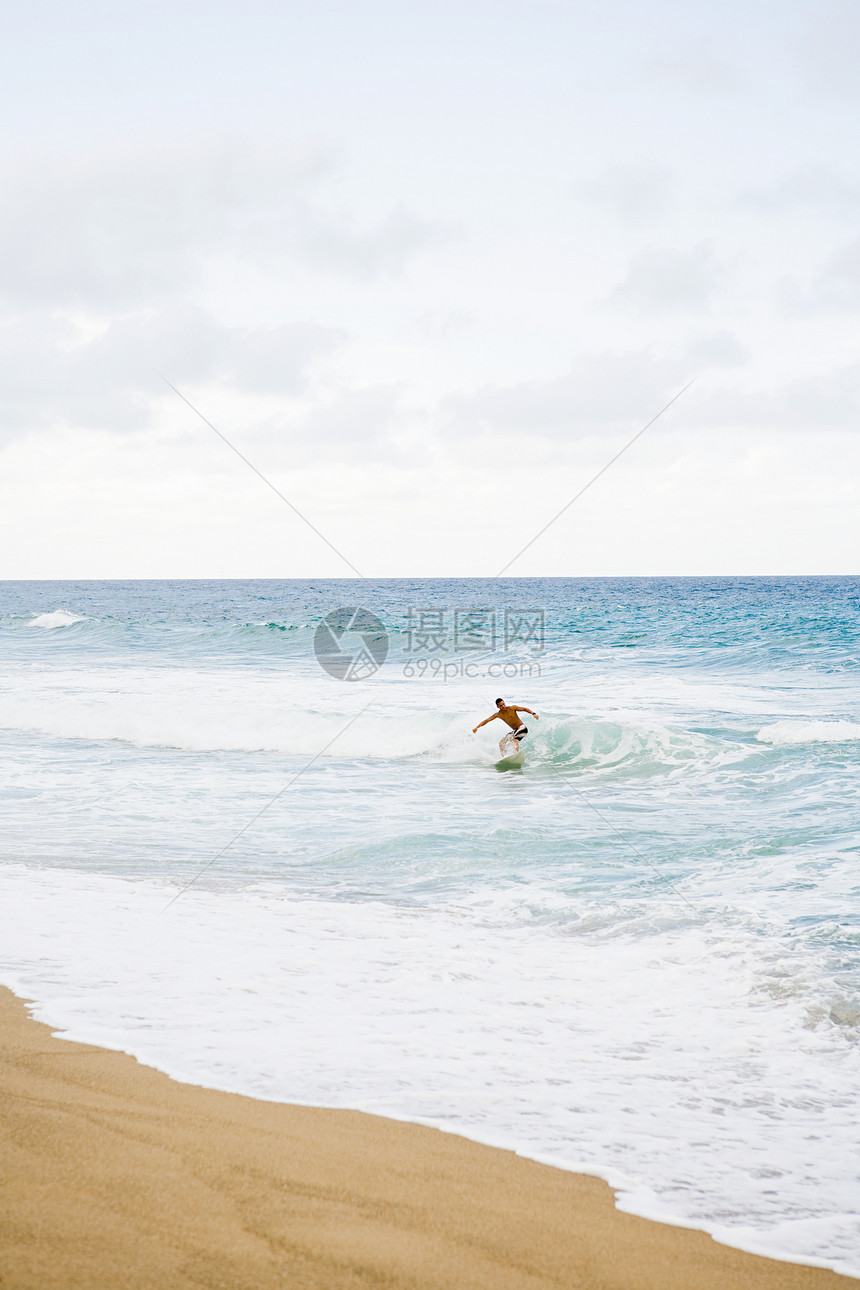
(429, 266)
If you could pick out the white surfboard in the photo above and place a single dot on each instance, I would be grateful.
(512, 754)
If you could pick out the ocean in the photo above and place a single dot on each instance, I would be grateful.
(250, 838)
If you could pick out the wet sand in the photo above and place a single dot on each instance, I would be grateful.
(116, 1177)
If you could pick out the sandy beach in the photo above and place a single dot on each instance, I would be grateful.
(118, 1176)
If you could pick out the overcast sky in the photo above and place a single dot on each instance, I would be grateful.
(429, 265)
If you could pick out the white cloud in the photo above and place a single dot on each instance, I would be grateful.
(828, 49)
(129, 227)
(834, 288)
(107, 258)
(634, 192)
(369, 253)
(600, 392)
(615, 393)
(717, 349)
(52, 375)
(828, 401)
(696, 72)
(816, 186)
(667, 281)
(363, 425)
(312, 300)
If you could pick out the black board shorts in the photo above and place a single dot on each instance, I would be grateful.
(521, 732)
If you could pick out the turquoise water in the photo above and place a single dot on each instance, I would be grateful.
(635, 955)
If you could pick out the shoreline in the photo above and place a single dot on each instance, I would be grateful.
(118, 1174)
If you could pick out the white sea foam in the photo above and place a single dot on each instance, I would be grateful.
(199, 710)
(663, 1054)
(810, 732)
(59, 618)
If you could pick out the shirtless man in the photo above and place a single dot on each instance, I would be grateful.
(508, 714)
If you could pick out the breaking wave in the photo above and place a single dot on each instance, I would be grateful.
(59, 618)
(810, 732)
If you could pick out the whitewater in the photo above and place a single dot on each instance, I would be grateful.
(637, 956)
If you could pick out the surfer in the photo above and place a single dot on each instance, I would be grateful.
(508, 712)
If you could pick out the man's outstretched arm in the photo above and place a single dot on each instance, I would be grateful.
(529, 711)
(484, 722)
